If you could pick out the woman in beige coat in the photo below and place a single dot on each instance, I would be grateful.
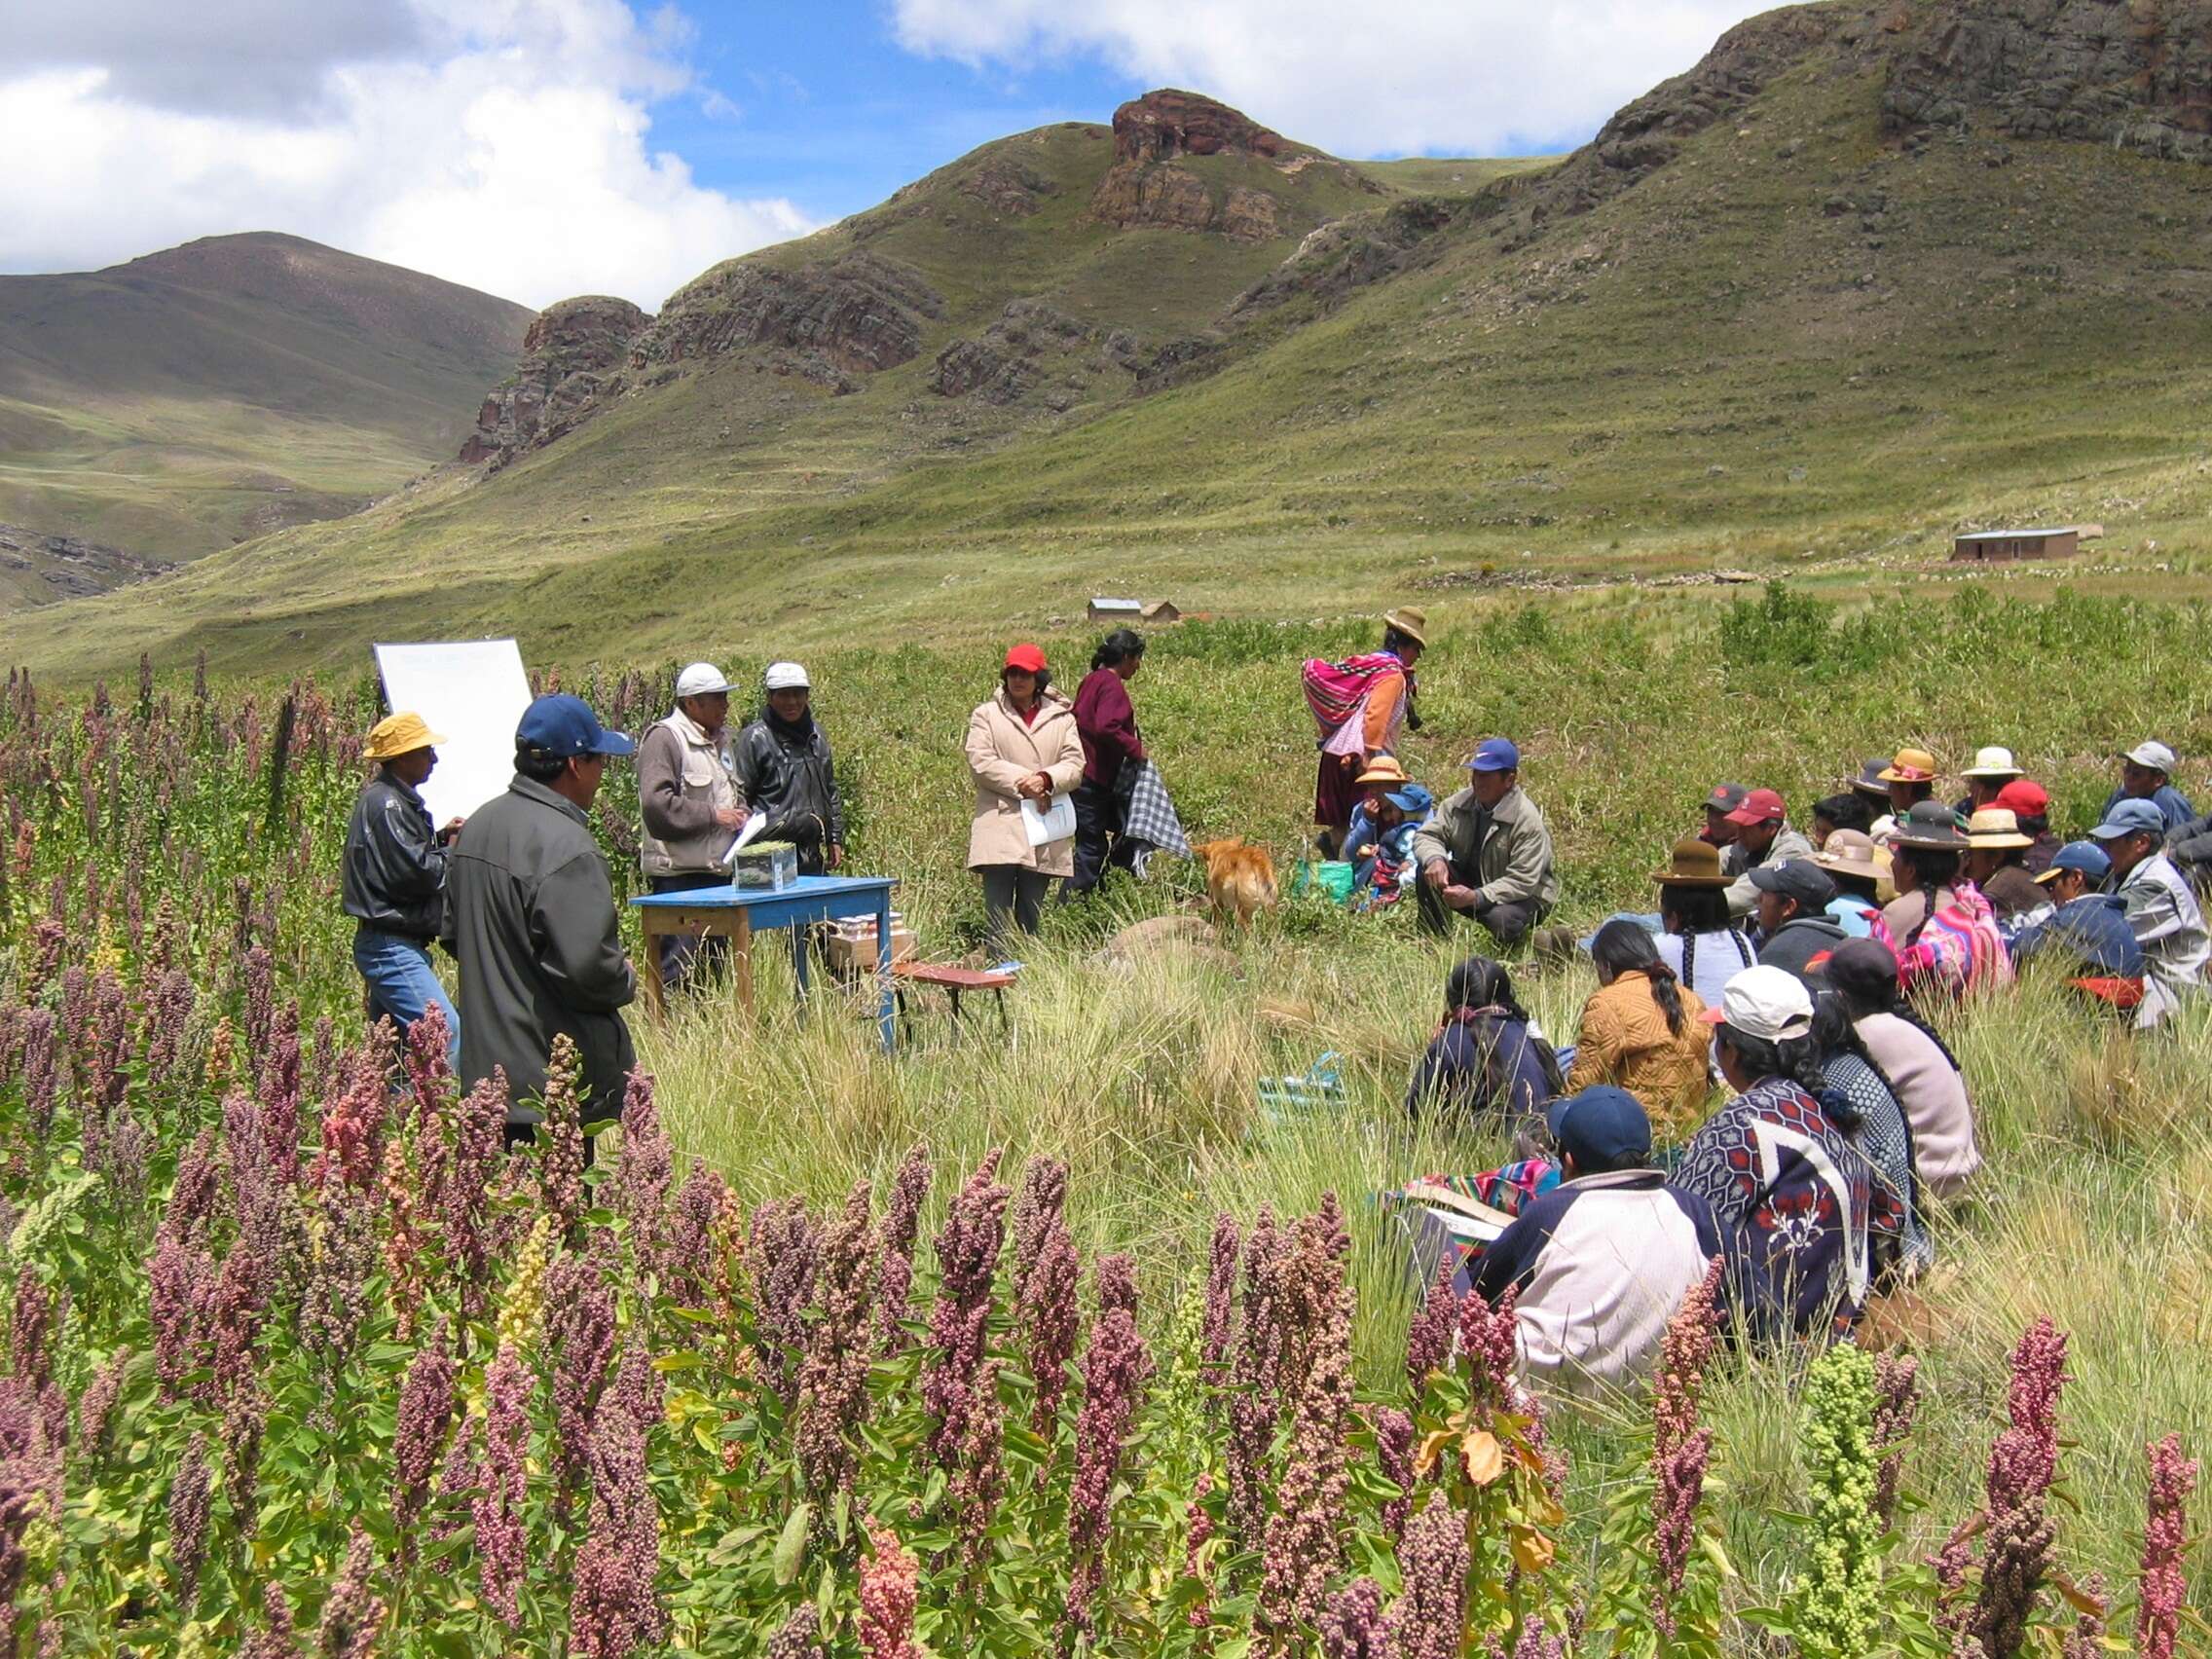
(1022, 744)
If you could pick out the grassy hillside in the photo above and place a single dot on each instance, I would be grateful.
(1795, 342)
(193, 398)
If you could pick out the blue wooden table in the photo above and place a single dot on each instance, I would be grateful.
(733, 914)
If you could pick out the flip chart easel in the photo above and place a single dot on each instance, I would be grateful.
(474, 692)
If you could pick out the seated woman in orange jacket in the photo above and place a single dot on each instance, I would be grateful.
(1641, 1031)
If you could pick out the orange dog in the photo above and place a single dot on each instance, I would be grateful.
(1240, 878)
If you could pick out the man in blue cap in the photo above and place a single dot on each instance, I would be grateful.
(531, 915)
(1487, 853)
(2084, 924)
(1604, 1260)
(2162, 909)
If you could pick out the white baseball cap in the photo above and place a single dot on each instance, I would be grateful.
(1768, 1003)
(700, 679)
(2154, 755)
(1993, 761)
(787, 676)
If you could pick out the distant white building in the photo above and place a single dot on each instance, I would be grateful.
(1105, 609)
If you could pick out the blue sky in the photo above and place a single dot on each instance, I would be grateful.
(542, 148)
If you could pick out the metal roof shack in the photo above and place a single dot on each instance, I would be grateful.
(2002, 546)
(1104, 608)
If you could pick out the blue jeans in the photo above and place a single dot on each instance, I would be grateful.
(401, 985)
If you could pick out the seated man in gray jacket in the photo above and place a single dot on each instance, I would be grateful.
(531, 914)
(1603, 1261)
(1485, 852)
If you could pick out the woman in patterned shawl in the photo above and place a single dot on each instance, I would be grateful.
(1796, 1199)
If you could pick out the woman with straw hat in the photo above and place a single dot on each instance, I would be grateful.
(1996, 862)
(395, 880)
(1698, 940)
(1859, 870)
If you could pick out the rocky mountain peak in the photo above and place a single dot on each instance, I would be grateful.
(1165, 124)
(572, 354)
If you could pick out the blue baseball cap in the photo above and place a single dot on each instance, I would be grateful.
(1601, 1129)
(2130, 817)
(2084, 855)
(1496, 754)
(563, 726)
(1414, 798)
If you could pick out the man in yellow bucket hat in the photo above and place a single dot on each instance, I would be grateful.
(394, 885)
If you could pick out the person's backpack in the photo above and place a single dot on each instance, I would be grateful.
(1335, 690)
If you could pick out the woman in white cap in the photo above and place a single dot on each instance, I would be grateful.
(786, 770)
(688, 804)
(1793, 1194)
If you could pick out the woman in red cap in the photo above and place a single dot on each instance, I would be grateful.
(1022, 746)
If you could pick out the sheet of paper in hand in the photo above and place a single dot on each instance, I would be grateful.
(473, 691)
(1056, 825)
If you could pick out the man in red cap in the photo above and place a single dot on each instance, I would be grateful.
(2029, 803)
(1763, 836)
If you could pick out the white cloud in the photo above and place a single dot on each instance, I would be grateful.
(509, 151)
(1468, 77)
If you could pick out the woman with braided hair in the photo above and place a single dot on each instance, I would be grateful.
(1642, 1031)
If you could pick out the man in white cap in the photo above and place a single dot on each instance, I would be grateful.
(691, 805)
(785, 769)
(2146, 774)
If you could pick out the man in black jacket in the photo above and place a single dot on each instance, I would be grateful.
(1795, 929)
(530, 912)
(784, 769)
(394, 882)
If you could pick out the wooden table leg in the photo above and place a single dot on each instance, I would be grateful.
(656, 994)
(886, 987)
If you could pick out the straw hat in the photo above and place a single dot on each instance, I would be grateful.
(1409, 622)
(1994, 762)
(1850, 853)
(1382, 769)
(1995, 826)
(1692, 864)
(1911, 766)
(401, 734)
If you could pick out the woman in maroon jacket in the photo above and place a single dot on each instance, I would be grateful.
(1108, 725)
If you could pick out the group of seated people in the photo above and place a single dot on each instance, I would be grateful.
(1786, 969)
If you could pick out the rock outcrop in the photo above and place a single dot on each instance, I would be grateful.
(855, 316)
(1006, 186)
(1145, 187)
(2136, 74)
(571, 361)
(1032, 346)
(71, 566)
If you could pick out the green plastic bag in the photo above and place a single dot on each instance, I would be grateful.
(1332, 878)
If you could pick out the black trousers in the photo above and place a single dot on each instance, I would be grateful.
(681, 957)
(1100, 845)
(1507, 923)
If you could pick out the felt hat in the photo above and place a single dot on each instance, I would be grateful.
(1769, 1003)
(1929, 824)
(701, 680)
(1995, 826)
(1382, 769)
(1994, 762)
(1910, 767)
(1409, 622)
(401, 734)
(2084, 857)
(1852, 852)
(2024, 800)
(1692, 864)
(1029, 659)
(1869, 780)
